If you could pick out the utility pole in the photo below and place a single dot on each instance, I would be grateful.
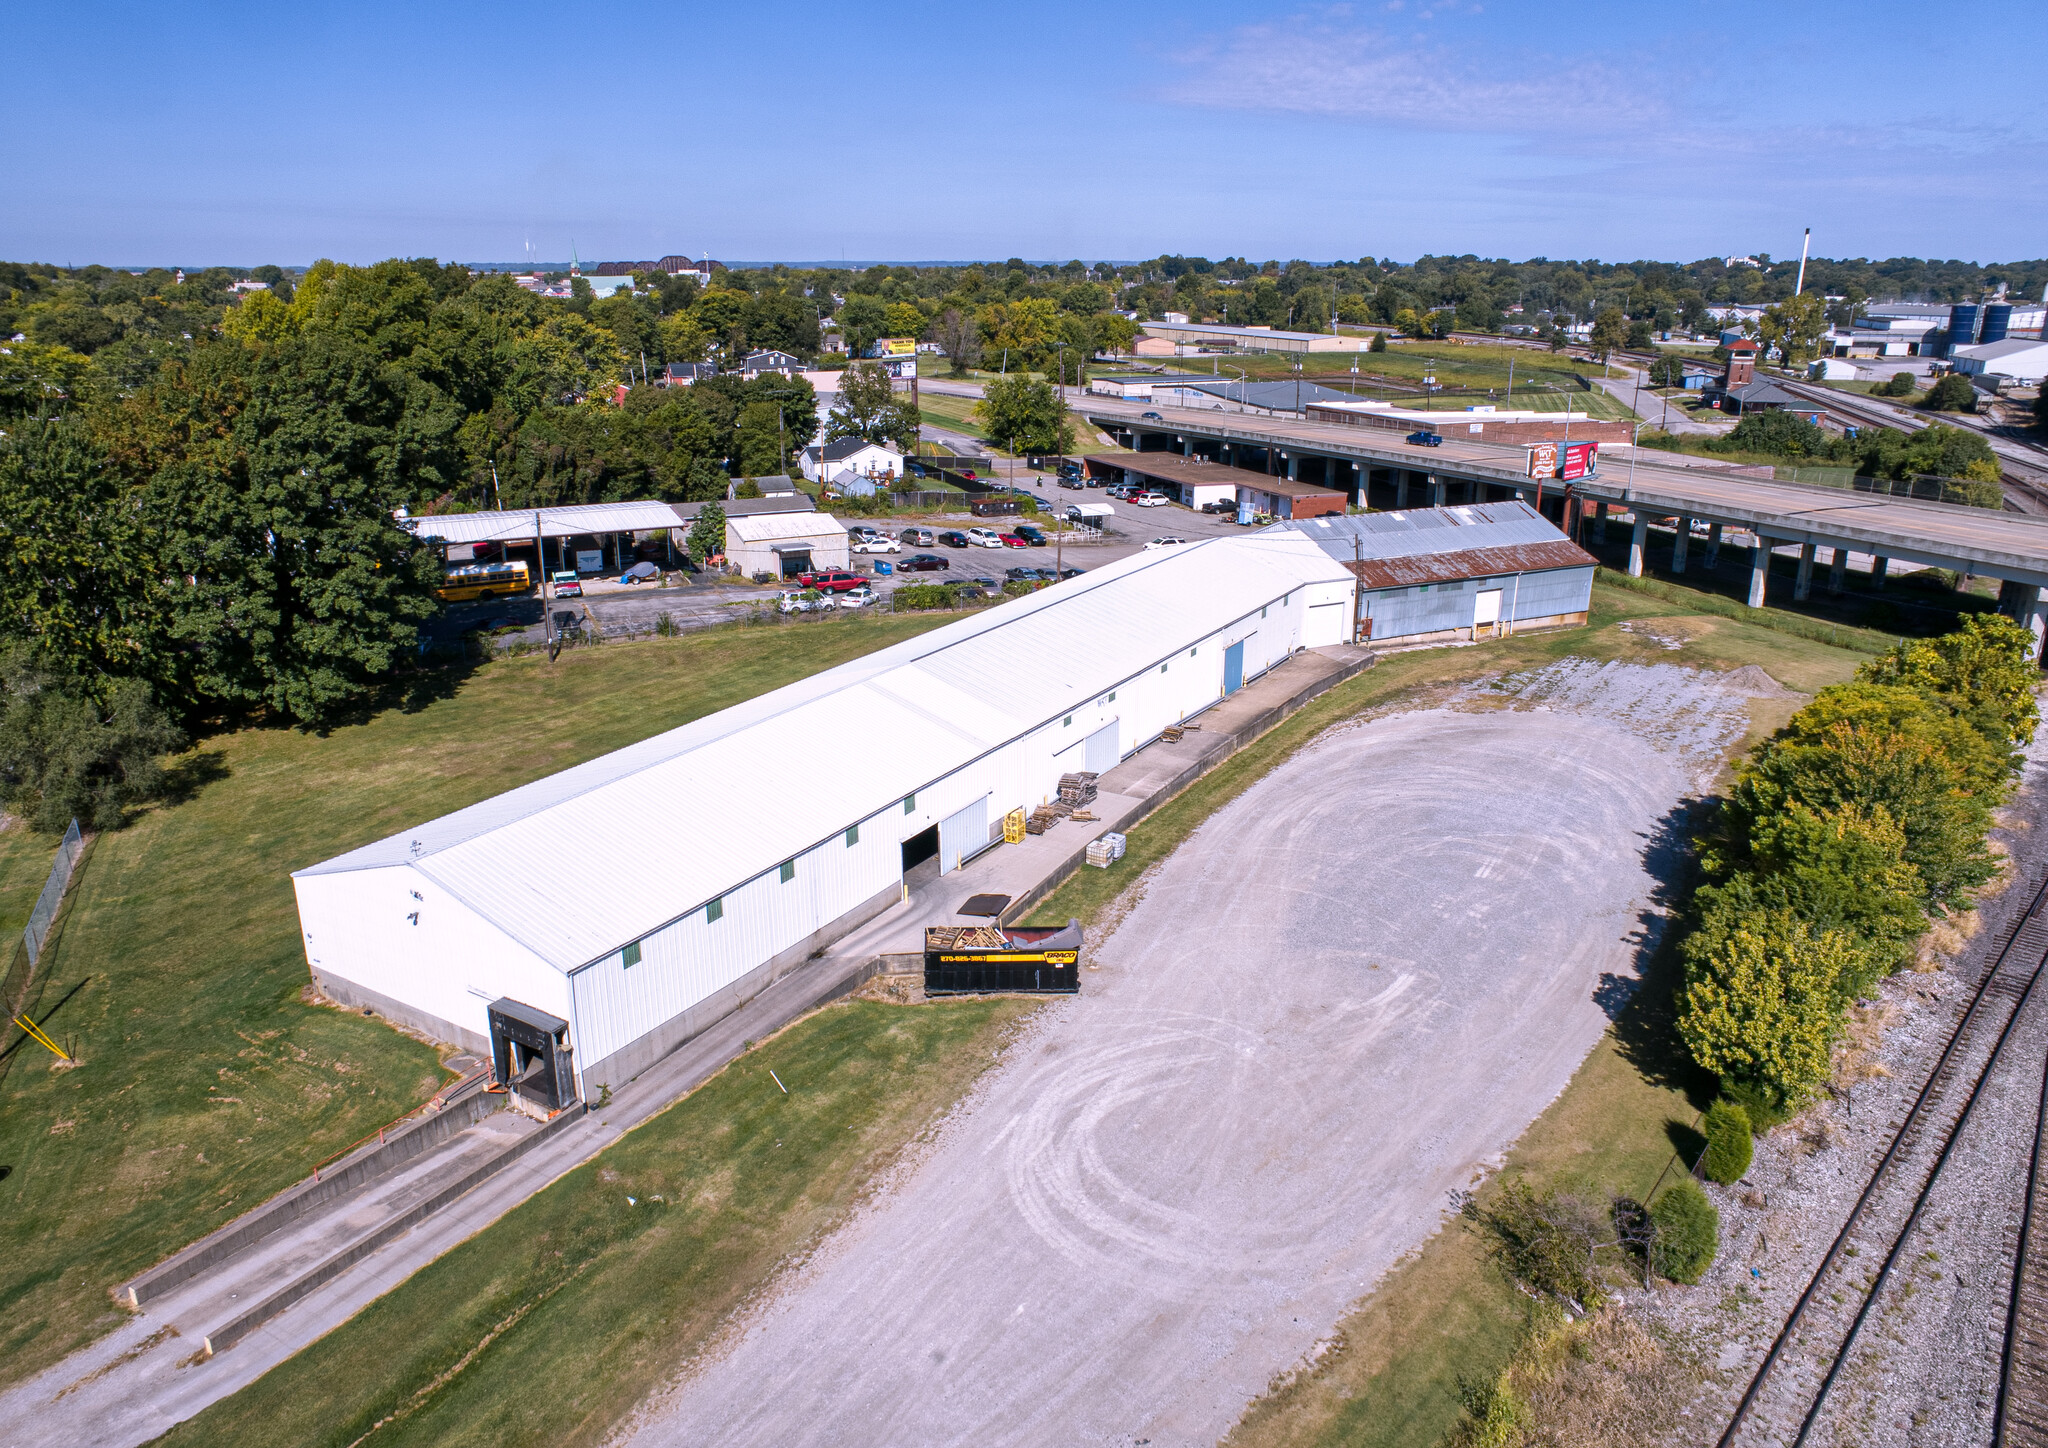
(1800, 285)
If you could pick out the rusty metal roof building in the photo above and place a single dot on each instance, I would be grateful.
(1430, 575)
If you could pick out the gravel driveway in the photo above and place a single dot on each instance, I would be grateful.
(1349, 991)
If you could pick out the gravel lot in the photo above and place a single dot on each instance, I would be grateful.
(1345, 996)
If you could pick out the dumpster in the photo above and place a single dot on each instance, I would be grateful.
(975, 959)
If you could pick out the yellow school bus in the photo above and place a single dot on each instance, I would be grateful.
(485, 580)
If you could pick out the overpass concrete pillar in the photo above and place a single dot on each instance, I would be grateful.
(1636, 536)
(1294, 467)
(1400, 489)
(1600, 522)
(1878, 565)
(2033, 617)
(1436, 491)
(1713, 545)
(1838, 566)
(1680, 544)
(1759, 569)
(1803, 585)
(1187, 447)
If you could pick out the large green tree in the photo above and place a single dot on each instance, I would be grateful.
(871, 409)
(1025, 413)
(272, 477)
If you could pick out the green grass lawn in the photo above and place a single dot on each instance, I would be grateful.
(207, 1084)
(550, 1325)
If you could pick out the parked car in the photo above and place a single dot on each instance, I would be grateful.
(989, 583)
(1031, 535)
(800, 600)
(859, 597)
(831, 581)
(1012, 540)
(1123, 492)
(954, 538)
(1166, 543)
(567, 584)
(1151, 417)
(1224, 505)
(1423, 437)
(1075, 483)
(984, 538)
(923, 563)
(968, 473)
(1151, 500)
(914, 468)
(640, 573)
(878, 545)
(918, 537)
(862, 530)
(1072, 572)
(1025, 575)
(1070, 470)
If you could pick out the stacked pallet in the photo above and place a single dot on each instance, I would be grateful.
(1077, 789)
(1045, 817)
(1106, 851)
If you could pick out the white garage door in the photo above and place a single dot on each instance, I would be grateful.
(963, 836)
(1487, 610)
(1103, 749)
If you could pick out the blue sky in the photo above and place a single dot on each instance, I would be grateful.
(194, 134)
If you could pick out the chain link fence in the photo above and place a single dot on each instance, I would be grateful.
(45, 912)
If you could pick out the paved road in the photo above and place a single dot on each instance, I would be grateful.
(1349, 991)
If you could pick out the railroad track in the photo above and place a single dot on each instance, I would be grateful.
(1786, 1397)
(2021, 1415)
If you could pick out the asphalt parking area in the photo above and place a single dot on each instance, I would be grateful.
(1342, 999)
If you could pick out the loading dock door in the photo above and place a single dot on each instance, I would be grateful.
(1486, 612)
(1102, 750)
(1233, 667)
(963, 836)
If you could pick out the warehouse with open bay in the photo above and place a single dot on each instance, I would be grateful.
(717, 856)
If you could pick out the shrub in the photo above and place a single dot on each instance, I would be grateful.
(1759, 1002)
(1379, 342)
(1688, 1232)
(65, 754)
(1901, 385)
(1729, 1147)
(919, 596)
(1547, 1243)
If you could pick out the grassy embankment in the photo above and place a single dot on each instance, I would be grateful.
(632, 1295)
(206, 1083)
(604, 1284)
(1444, 1314)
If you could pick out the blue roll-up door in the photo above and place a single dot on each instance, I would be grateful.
(1233, 667)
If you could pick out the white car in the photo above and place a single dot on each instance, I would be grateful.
(877, 545)
(858, 597)
(984, 538)
(1151, 500)
(1166, 543)
(801, 600)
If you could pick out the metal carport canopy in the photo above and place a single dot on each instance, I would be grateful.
(1979, 540)
(565, 522)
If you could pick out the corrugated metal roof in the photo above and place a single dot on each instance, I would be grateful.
(662, 826)
(554, 522)
(763, 527)
(1470, 563)
(1475, 540)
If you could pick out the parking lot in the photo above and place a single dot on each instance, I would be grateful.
(621, 609)
(1339, 1001)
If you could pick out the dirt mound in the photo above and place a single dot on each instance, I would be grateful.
(1751, 681)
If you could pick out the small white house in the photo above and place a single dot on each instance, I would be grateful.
(852, 454)
(785, 544)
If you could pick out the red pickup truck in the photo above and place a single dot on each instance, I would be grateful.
(831, 581)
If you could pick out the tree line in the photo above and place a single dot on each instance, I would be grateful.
(1842, 835)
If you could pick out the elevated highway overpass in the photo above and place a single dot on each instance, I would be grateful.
(1378, 468)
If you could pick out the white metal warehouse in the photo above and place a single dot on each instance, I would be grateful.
(642, 895)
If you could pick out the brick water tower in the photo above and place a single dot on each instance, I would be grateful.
(1741, 365)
